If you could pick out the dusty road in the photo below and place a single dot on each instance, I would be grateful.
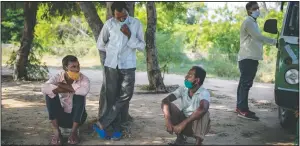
(25, 118)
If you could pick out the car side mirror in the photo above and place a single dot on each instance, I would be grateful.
(271, 26)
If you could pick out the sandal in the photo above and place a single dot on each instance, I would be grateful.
(116, 136)
(179, 141)
(101, 133)
(56, 140)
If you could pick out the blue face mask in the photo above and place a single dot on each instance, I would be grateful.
(125, 21)
(188, 84)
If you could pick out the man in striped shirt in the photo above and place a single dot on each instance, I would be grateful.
(118, 41)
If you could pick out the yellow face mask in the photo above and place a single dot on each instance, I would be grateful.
(73, 75)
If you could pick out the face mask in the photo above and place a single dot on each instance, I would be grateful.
(188, 84)
(255, 14)
(125, 21)
(73, 75)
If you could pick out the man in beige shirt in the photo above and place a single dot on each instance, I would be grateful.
(251, 50)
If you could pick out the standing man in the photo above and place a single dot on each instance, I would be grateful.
(119, 39)
(251, 50)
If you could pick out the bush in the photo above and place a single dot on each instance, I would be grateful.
(12, 25)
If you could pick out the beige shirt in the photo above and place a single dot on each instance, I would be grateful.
(189, 105)
(251, 41)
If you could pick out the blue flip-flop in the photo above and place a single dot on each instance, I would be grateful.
(116, 136)
(101, 133)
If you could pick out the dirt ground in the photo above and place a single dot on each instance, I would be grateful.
(25, 119)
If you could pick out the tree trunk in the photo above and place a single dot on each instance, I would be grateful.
(130, 6)
(91, 16)
(30, 10)
(264, 5)
(108, 10)
(95, 23)
(153, 70)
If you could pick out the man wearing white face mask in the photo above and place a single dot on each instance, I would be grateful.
(251, 51)
(119, 39)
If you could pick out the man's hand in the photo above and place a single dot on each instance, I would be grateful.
(126, 31)
(169, 126)
(66, 87)
(179, 128)
(59, 90)
(59, 84)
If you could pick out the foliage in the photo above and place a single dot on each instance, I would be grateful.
(65, 9)
(12, 25)
(36, 70)
(182, 28)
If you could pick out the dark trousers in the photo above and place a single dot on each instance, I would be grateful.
(119, 87)
(248, 69)
(65, 120)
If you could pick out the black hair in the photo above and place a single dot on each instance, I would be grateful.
(67, 59)
(199, 73)
(119, 6)
(250, 4)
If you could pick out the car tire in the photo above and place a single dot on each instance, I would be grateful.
(287, 119)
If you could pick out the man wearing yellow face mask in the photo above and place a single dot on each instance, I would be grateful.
(65, 99)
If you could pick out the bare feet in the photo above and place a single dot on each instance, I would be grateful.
(99, 125)
(73, 139)
(56, 138)
(199, 141)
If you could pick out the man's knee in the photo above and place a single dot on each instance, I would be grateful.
(247, 84)
(201, 127)
(48, 98)
(78, 99)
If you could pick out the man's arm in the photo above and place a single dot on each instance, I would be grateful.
(250, 28)
(137, 42)
(51, 87)
(66, 87)
(59, 90)
(83, 88)
(102, 41)
(165, 107)
(196, 115)
(201, 110)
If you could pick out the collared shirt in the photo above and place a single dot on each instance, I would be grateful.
(121, 51)
(190, 104)
(251, 41)
(81, 87)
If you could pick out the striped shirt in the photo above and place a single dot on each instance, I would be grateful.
(121, 51)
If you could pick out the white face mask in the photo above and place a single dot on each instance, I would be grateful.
(256, 13)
